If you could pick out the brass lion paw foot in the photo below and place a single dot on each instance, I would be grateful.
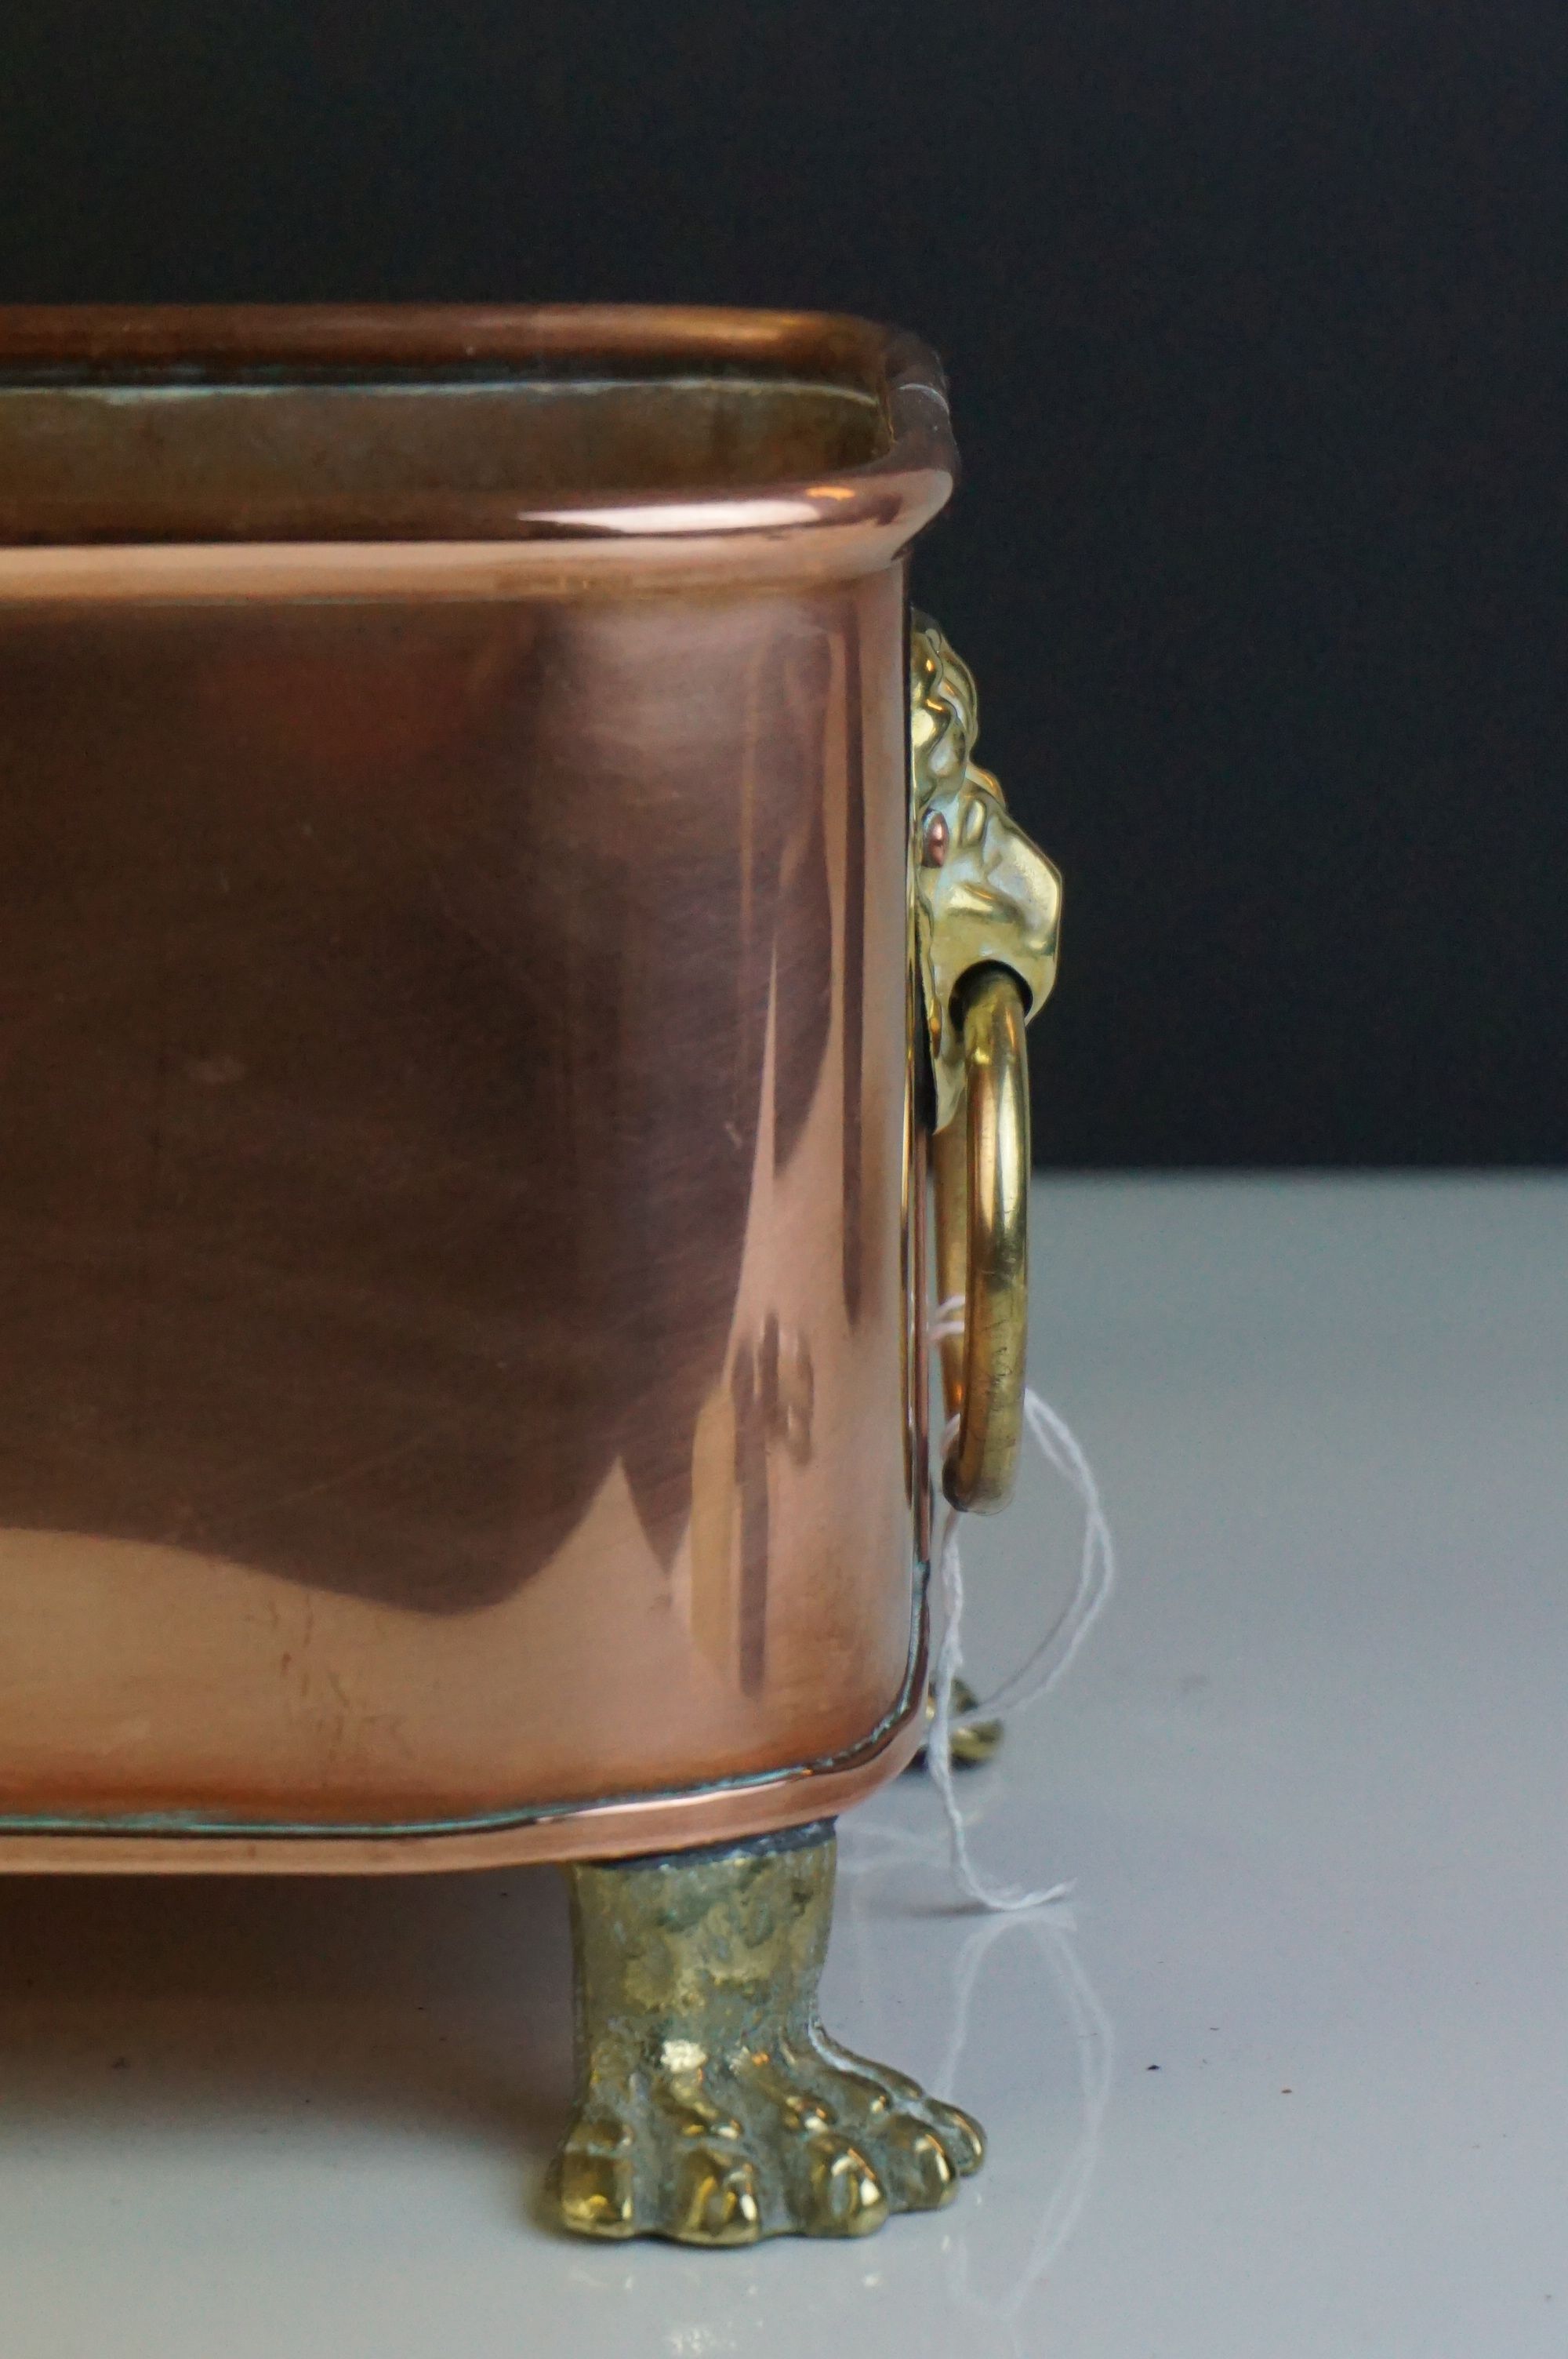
(712, 2107)
(971, 1747)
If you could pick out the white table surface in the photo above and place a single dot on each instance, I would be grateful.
(1290, 2081)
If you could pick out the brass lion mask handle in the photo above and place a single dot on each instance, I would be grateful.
(986, 915)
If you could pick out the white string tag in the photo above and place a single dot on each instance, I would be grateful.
(1046, 1662)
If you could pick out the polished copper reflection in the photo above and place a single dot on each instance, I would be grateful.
(454, 1117)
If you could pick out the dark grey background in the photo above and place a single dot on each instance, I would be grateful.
(1255, 319)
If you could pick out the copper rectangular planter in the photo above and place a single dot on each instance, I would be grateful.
(460, 1356)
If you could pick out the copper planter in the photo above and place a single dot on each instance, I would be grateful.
(492, 894)
(460, 1368)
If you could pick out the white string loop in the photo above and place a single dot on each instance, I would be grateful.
(1047, 1661)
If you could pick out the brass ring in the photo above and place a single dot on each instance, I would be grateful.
(981, 1167)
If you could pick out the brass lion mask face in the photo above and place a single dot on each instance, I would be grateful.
(984, 895)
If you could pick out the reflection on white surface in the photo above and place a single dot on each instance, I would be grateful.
(1067, 2005)
(994, 2000)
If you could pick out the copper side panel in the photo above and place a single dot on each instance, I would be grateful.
(452, 1130)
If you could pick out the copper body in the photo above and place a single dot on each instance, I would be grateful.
(459, 1357)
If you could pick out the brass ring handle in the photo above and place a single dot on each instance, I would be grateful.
(986, 908)
(982, 1168)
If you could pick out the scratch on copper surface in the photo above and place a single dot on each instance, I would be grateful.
(271, 1501)
(140, 1361)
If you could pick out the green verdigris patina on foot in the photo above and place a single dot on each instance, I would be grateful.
(711, 2106)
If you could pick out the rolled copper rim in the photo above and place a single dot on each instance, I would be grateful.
(879, 505)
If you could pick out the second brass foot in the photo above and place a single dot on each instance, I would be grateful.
(971, 1746)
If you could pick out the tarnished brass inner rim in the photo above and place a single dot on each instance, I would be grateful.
(154, 449)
